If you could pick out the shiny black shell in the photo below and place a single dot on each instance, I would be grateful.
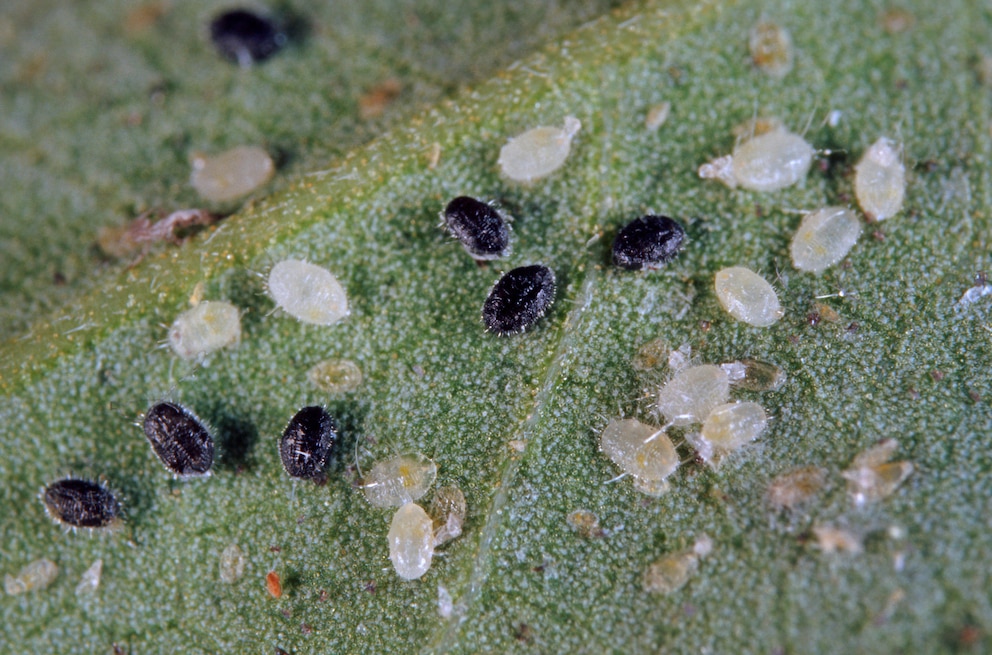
(518, 299)
(478, 226)
(81, 503)
(306, 443)
(180, 439)
(244, 37)
(647, 242)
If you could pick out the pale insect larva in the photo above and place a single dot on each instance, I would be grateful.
(796, 487)
(692, 394)
(585, 523)
(747, 296)
(448, 509)
(538, 152)
(727, 428)
(307, 292)
(872, 476)
(771, 48)
(231, 174)
(673, 571)
(399, 480)
(232, 564)
(411, 541)
(90, 580)
(36, 575)
(640, 450)
(335, 375)
(824, 237)
(768, 162)
(210, 326)
(880, 180)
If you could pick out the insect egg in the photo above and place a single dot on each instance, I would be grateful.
(411, 541)
(640, 450)
(231, 174)
(478, 226)
(273, 584)
(519, 299)
(180, 439)
(880, 180)
(306, 442)
(647, 242)
(728, 427)
(399, 480)
(307, 292)
(824, 237)
(747, 296)
(210, 326)
(692, 394)
(81, 504)
(244, 37)
(538, 152)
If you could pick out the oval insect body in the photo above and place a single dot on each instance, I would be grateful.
(824, 237)
(231, 174)
(307, 292)
(647, 242)
(640, 450)
(181, 441)
(335, 375)
(519, 299)
(478, 226)
(306, 443)
(399, 480)
(772, 161)
(730, 426)
(411, 541)
(245, 37)
(880, 180)
(538, 152)
(232, 564)
(210, 326)
(747, 296)
(81, 504)
(692, 394)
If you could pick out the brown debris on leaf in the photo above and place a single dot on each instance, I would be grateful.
(138, 236)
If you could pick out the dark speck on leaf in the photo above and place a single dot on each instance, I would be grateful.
(518, 299)
(647, 242)
(244, 37)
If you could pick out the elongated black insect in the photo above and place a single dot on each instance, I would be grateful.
(647, 242)
(245, 37)
(518, 299)
(81, 504)
(180, 439)
(478, 226)
(306, 443)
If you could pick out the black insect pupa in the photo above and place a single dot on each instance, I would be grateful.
(180, 439)
(81, 504)
(478, 226)
(306, 443)
(518, 299)
(647, 242)
(245, 37)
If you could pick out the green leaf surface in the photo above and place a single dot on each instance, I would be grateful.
(514, 421)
